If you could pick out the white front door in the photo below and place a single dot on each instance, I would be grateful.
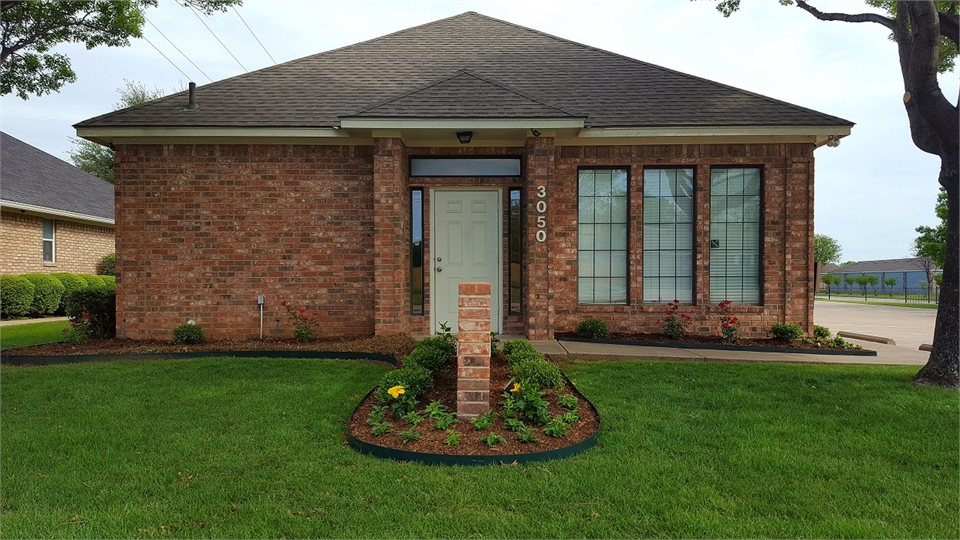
(466, 246)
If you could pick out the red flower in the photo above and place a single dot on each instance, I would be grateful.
(316, 313)
(283, 302)
(675, 301)
(65, 330)
(658, 322)
(303, 310)
(735, 320)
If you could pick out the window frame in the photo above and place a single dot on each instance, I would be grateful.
(417, 309)
(627, 251)
(761, 279)
(52, 240)
(693, 236)
(510, 250)
(519, 159)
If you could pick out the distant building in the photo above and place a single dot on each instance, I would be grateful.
(53, 216)
(909, 272)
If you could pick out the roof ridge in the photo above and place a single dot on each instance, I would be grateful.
(657, 66)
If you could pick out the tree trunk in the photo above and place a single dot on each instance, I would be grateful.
(942, 368)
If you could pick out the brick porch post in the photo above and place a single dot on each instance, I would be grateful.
(473, 354)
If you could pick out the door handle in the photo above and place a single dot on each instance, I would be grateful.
(439, 269)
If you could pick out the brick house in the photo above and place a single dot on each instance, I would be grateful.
(53, 216)
(368, 181)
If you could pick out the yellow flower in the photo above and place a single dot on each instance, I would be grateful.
(516, 387)
(396, 391)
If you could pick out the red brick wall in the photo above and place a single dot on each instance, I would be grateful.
(78, 247)
(203, 229)
(787, 223)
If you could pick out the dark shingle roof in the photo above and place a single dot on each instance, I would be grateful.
(911, 264)
(33, 177)
(526, 72)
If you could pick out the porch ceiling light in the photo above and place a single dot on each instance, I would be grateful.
(464, 136)
(535, 132)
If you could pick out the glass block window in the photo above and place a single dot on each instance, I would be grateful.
(668, 229)
(735, 235)
(515, 252)
(602, 236)
(48, 239)
(416, 252)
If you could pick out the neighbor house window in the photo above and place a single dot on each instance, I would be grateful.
(48, 241)
(416, 252)
(515, 251)
(602, 236)
(668, 228)
(735, 235)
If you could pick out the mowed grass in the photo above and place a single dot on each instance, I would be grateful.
(27, 334)
(254, 448)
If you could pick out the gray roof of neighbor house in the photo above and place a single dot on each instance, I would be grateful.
(33, 180)
(911, 264)
(467, 66)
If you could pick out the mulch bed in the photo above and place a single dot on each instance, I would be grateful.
(445, 390)
(769, 343)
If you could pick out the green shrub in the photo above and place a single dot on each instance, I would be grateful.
(517, 345)
(109, 281)
(93, 281)
(524, 356)
(100, 303)
(70, 282)
(541, 374)
(108, 265)
(415, 380)
(821, 333)
(16, 296)
(430, 354)
(443, 343)
(189, 334)
(786, 332)
(593, 329)
(47, 293)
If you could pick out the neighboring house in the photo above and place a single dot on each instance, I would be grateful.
(53, 216)
(367, 181)
(910, 274)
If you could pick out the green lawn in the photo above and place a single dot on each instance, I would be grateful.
(915, 305)
(254, 448)
(24, 335)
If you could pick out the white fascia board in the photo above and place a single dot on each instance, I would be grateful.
(718, 131)
(110, 133)
(55, 213)
(461, 123)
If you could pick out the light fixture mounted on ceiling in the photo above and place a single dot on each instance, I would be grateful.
(535, 132)
(833, 141)
(464, 136)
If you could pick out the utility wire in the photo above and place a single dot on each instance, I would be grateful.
(218, 39)
(254, 35)
(178, 50)
(165, 57)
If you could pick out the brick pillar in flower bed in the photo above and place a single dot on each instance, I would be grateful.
(473, 350)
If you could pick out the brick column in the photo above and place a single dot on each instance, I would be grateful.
(538, 307)
(473, 353)
(391, 251)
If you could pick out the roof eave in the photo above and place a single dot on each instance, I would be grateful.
(819, 135)
(56, 213)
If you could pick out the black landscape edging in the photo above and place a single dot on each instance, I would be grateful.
(426, 458)
(723, 347)
(13, 360)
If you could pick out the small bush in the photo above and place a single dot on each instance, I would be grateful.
(821, 333)
(16, 296)
(415, 380)
(593, 329)
(517, 345)
(786, 332)
(100, 303)
(443, 343)
(524, 356)
(47, 293)
(70, 282)
(541, 374)
(109, 281)
(188, 334)
(432, 356)
(108, 265)
(94, 281)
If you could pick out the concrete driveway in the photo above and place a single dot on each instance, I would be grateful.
(908, 327)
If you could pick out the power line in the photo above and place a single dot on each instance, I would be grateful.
(218, 39)
(178, 50)
(254, 35)
(165, 57)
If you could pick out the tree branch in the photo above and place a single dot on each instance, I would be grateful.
(922, 82)
(950, 26)
(845, 17)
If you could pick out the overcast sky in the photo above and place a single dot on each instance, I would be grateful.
(871, 191)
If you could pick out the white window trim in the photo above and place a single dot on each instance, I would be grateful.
(52, 240)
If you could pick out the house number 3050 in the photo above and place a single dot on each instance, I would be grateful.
(541, 213)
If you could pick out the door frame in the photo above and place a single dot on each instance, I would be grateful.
(496, 287)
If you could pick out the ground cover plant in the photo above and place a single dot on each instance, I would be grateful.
(254, 448)
(28, 334)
